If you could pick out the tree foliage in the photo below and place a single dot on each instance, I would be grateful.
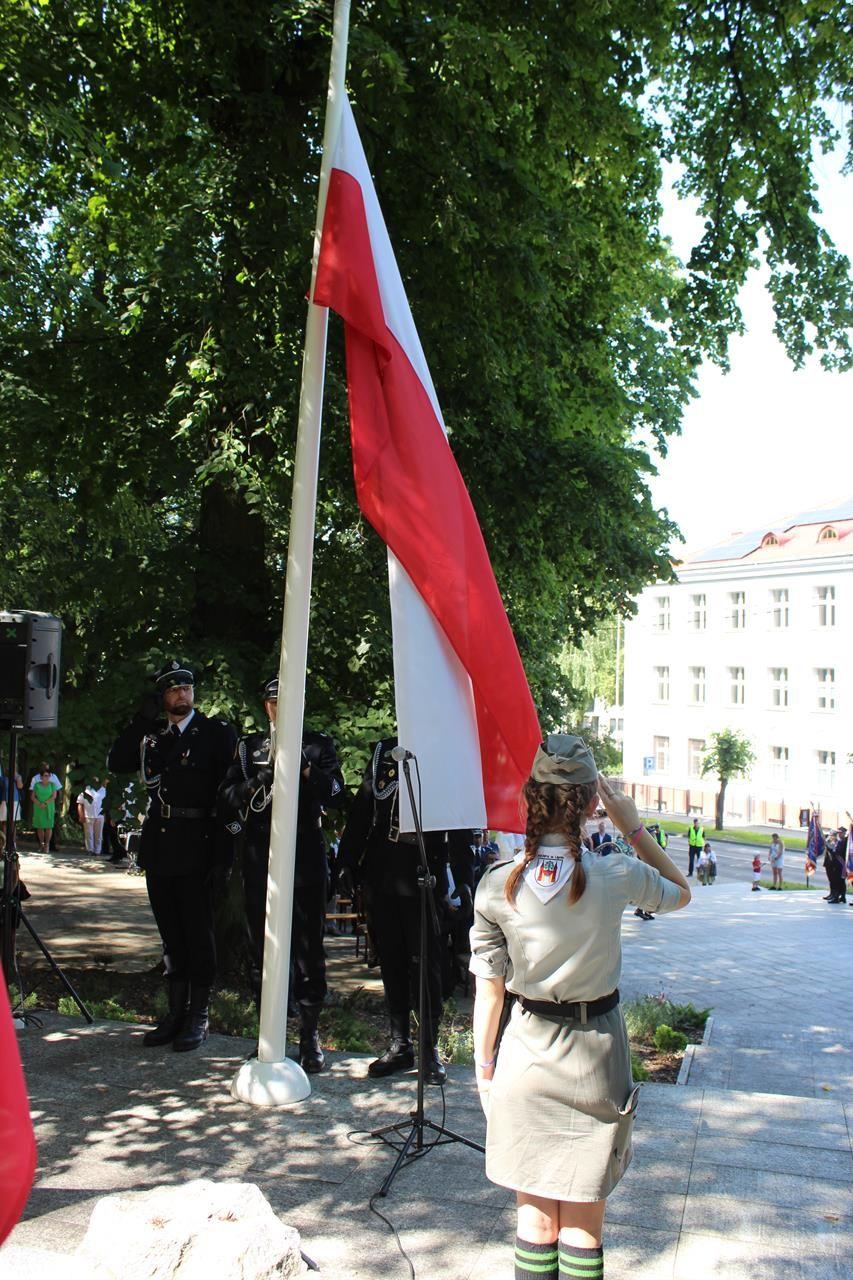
(730, 755)
(158, 165)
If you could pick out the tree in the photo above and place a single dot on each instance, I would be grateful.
(730, 755)
(158, 168)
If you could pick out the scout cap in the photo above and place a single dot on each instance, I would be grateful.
(564, 758)
(172, 673)
(270, 690)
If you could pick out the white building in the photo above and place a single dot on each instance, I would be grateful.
(752, 637)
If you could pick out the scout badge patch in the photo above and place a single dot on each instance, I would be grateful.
(549, 872)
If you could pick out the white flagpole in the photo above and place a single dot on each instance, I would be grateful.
(272, 1079)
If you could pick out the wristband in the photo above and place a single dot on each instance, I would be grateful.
(485, 1065)
(630, 835)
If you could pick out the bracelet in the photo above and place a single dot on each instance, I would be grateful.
(485, 1065)
(629, 835)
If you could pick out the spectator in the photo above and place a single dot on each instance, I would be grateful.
(57, 800)
(601, 837)
(695, 841)
(90, 812)
(711, 869)
(44, 795)
(777, 860)
(17, 787)
(756, 874)
(702, 865)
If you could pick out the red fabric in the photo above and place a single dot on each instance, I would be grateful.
(410, 489)
(17, 1143)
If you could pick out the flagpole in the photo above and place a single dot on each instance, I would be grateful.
(272, 1079)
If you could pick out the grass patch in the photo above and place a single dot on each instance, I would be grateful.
(19, 1005)
(644, 1017)
(731, 835)
(455, 1036)
(343, 1028)
(786, 884)
(638, 1070)
(111, 1010)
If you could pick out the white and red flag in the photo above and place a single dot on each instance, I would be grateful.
(463, 703)
(17, 1144)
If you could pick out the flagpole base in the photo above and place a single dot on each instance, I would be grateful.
(270, 1084)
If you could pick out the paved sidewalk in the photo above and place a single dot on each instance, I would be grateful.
(726, 1183)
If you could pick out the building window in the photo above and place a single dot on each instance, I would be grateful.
(770, 540)
(737, 610)
(826, 770)
(779, 613)
(779, 763)
(662, 755)
(662, 683)
(697, 685)
(737, 687)
(698, 615)
(778, 686)
(695, 754)
(661, 613)
(826, 606)
(827, 534)
(825, 688)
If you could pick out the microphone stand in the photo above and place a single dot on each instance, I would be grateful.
(411, 1131)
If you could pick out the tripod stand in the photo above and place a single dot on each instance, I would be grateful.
(411, 1131)
(11, 912)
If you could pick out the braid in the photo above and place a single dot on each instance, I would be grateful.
(553, 809)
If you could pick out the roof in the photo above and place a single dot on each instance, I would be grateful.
(793, 538)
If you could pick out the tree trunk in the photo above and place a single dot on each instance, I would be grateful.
(721, 804)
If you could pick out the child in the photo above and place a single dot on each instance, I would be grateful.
(756, 873)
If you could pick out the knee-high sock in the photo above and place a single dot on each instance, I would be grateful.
(581, 1264)
(535, 1261)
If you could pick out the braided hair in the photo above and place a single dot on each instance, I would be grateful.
(553, 808)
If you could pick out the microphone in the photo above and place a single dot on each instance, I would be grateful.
(400, 753)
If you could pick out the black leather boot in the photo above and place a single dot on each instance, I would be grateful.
(400, 1054)
(434, 1069)
(194, 1030)
(311, 1058)
(168, 1027)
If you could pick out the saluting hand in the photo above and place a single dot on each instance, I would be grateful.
(620, 808)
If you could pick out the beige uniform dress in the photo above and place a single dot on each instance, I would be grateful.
(562, 1100)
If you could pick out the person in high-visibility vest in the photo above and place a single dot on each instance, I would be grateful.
(696, 842)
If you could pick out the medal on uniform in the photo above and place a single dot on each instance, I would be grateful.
(549, 872)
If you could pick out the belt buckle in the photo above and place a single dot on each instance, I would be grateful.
(165, 809)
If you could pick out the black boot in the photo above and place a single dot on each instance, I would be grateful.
(194, 1031)
(400, 1054)
(434, 1069)
(311, 1057)
(168, 1027)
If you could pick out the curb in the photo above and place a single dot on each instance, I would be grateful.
(686, 1064)
(709, 1026)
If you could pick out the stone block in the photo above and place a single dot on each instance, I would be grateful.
(191, 1232)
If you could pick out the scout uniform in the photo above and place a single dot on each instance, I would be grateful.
(181, 767)
(562, 1100)
(245, 802)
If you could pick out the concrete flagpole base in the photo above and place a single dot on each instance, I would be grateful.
(270, 1084)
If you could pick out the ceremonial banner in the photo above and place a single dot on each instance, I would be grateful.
(815, 844)
(463, 703)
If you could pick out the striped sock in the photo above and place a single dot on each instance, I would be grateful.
(581, 1264)
(535, 1261)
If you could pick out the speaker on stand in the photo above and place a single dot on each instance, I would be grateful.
(30, 646)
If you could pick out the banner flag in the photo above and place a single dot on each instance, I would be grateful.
(463, 703)
(17, 1143)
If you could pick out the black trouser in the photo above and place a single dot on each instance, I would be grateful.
(837, 879)
(397, 929)
(694, 854)
(183, 909)
(307, 957)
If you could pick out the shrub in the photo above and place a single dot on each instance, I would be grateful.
(669, 1041)
(638, 1071)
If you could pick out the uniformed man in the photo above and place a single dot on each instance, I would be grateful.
(246, 801)
(182, 765)
(386, 861)
(695, 843)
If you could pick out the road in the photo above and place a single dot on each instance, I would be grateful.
(734, 861)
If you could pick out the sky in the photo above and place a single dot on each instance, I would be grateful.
(765, 440)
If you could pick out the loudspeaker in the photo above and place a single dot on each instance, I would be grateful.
(30, 645)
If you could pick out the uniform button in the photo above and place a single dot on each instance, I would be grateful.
(163, 830)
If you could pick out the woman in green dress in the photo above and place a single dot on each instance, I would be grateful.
(44, 794)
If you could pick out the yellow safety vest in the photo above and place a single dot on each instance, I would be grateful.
(696, 837)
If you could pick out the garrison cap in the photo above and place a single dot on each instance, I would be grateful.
(564, 758)
(172, 673)
(270, 689)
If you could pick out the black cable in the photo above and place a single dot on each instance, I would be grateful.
(389, 1223)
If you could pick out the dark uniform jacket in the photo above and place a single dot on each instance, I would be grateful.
(183, 773)
(372, 846)
(245, 799)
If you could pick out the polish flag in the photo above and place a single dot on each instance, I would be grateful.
(17, 1144)
(463, 703)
